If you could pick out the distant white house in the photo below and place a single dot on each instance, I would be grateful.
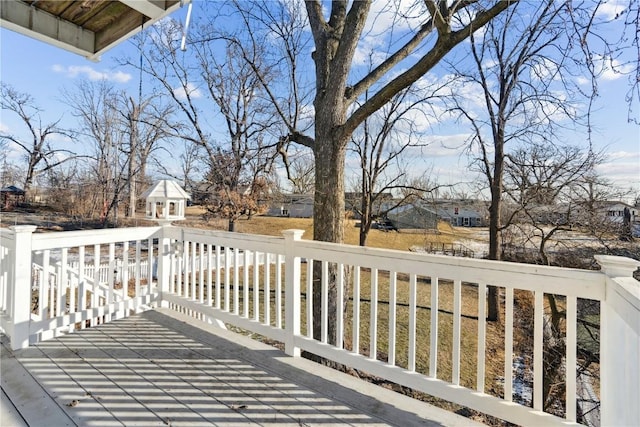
(292, 205)
(461, 212)
(614, 211)
(382, 203)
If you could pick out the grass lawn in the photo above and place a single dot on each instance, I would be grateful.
(273, 226)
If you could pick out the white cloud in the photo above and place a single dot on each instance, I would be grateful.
(4, 128)
(191, 89)
(610, 9)
(441, 146)
(583, 81)
(622, 168)
(612, 69)
(387, 28)
(454, 142)
(73, 71)
(615, 70)
(620, 155)
(60, 138)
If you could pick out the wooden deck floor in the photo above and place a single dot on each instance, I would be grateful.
(155, 369)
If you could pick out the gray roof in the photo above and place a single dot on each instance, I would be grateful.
(12, 189)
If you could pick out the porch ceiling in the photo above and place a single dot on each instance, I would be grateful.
(87, 27)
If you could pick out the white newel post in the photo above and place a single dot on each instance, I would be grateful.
(620, 343)
(164, 263)
(21, 286)
(292, 291)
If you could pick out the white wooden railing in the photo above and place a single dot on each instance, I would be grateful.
(55, 282)
(265, 285)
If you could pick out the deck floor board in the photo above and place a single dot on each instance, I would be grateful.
(158, 368)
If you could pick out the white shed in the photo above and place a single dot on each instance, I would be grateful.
(166, 200)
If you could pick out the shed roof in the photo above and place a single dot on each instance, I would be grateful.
(12, 189)
(166, 189)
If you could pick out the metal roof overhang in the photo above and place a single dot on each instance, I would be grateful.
(85, 27)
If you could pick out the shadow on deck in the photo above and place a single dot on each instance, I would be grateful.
(155, 369)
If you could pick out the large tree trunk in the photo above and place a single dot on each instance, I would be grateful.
(31, 171)
(365, 208)
(336, 42)
(328, 225)
(495, 220)
(131, 211)
(134, 146)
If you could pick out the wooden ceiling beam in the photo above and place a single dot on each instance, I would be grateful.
(145, 7)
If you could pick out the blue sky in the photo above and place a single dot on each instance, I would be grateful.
(43, 71)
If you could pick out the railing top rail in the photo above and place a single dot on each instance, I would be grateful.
(254, 242)
(6, 235)
(556, 280)
(67, 239)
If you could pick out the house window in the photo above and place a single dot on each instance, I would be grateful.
(466, 222)
(455, 211)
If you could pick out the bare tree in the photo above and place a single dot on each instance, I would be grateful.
(380, 146)
(545, 183)
(238, 170)
(555, 188)
(96, 106)
(592, 194)
(146, 123)
(300, 174)
(64, 195)
(41, 156)
(337, 29)
(338, 105)
(235, 138)
(521, 70)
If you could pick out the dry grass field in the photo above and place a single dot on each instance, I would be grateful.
(273, 226)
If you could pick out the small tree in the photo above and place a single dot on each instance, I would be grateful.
(380, 146)
(300, 173)
(545, 184)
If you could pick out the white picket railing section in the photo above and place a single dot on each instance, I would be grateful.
(109, 280)
(267, 285)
